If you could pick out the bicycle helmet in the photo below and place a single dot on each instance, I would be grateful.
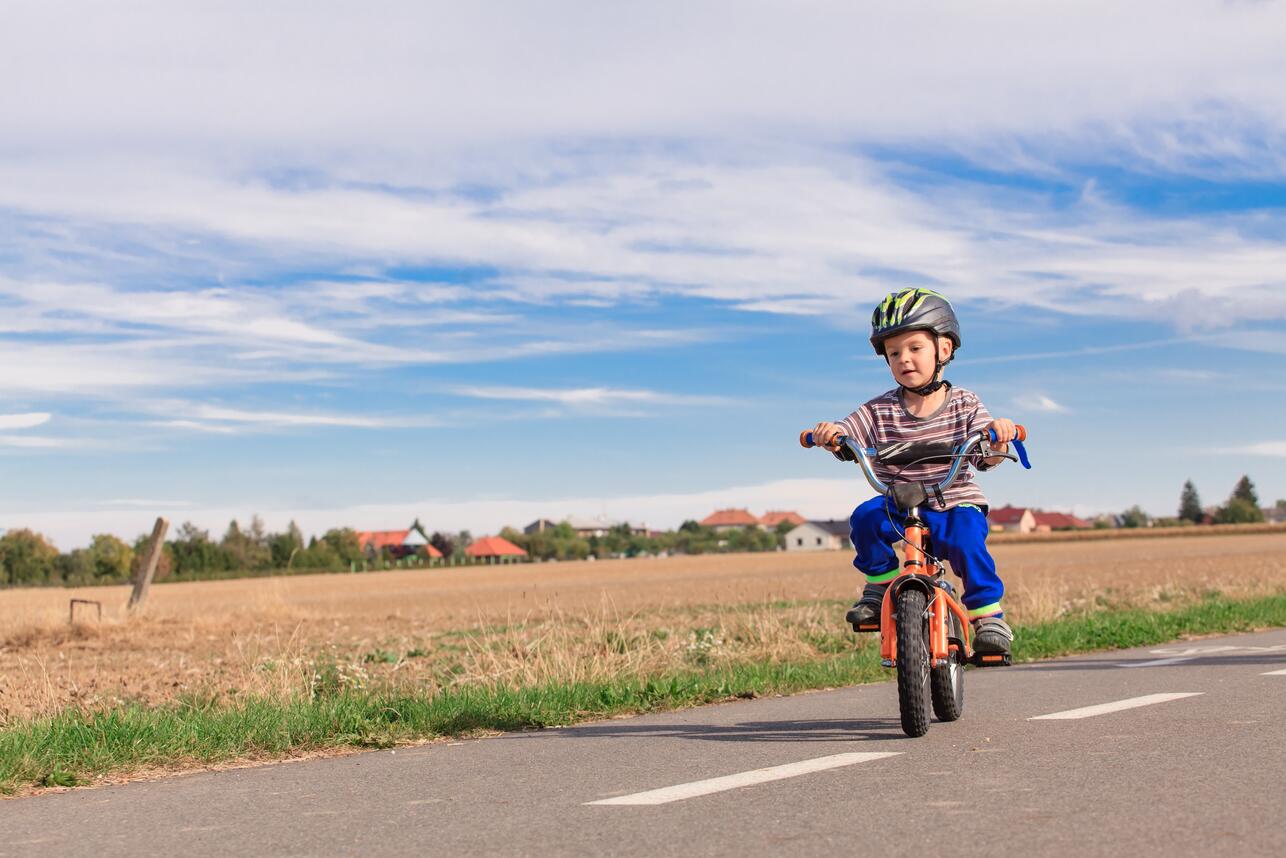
(916, 310)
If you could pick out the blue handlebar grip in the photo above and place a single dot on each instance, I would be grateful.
(806, 439)
(1022, 453)
(1018, 445)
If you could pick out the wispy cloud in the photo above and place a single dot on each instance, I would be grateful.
(143, 503)
(36, 442)
(24, 421)
(352, 79)
(230, 420)
(1274, 449)
(1039, 402)
(588, 396)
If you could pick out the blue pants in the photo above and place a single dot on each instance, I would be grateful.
(959, 534)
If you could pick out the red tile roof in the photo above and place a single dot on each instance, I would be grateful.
(730, 518)
(1059, 520)
(381, 539)
(1007, 514)
(494, 546)
(378, 539)
(774, 517)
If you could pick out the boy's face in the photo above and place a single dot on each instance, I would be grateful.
(911, 357)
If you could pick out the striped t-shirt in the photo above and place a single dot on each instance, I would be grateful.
(885, 420)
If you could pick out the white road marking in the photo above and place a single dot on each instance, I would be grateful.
(1281, 672)
(694, 789)
(1117, 706)
(1158, 662)
(1210, 650)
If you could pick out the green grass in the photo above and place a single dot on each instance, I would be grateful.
(75, 746)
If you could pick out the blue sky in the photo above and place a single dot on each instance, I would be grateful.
(478, 266)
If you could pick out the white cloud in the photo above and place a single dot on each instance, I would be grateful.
(230, 420)
(143, 503)
(1276, 449)
(35, 442)
(588, 396)
(1039, 402)
(412, 76)
(24, 421)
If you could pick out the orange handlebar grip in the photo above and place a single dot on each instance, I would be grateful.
(1022, 432)
(806, 438)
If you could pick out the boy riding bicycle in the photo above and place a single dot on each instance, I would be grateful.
(917, 333)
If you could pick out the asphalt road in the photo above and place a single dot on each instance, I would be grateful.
(1172, 750)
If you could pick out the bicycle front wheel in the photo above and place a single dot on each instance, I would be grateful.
(914, 697)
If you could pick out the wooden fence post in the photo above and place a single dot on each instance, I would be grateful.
(148, 569)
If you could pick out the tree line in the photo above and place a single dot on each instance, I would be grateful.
(561, 542)
(29, 559)
(1241, 507)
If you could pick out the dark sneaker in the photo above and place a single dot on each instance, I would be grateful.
(864, 616)
(992, 636)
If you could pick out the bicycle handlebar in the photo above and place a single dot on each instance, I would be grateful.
(864, 455)
(806, 437)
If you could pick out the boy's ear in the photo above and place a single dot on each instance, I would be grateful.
(946, 349)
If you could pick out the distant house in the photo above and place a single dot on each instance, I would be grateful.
(819, 536)
(1012, 519)
(1047, 521)
(494, 549)
(730, 519)
(584, 527)
(774, 517)
(1272, 514)
(398, 543)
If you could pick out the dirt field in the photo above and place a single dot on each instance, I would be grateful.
(531, 622)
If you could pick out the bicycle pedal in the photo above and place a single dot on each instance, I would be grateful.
(991, 659)
(866, 627)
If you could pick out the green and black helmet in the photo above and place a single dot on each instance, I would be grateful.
(913, 310)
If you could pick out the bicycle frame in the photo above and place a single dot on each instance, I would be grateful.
(919, 567)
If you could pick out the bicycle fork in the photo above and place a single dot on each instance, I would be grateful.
(928, 574)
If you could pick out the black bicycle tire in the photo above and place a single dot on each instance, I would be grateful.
(913, 662)
(948, 701)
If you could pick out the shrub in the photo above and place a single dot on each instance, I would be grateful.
(27, 558)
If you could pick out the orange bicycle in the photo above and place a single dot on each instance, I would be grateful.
(924, 630)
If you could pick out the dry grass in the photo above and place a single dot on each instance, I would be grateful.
(532, 623)
(1137, 533)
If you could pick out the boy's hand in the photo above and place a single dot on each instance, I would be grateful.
(824, 435)
(1005, 431)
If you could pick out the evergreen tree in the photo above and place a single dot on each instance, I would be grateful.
(1190, 503)
(1242, 506)
(1245, 490)
(1239, 511)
